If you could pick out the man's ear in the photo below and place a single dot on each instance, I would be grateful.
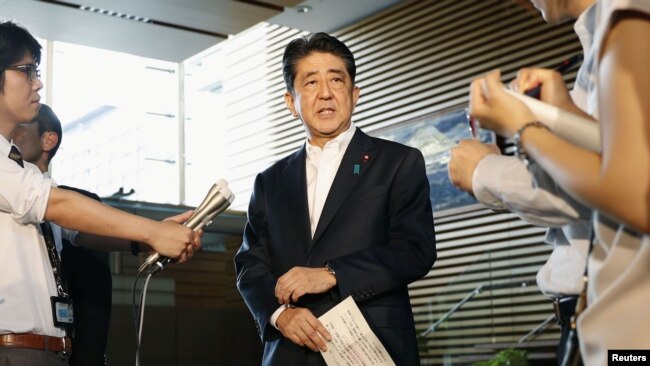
(49, 140)
(355, 96)
(289, 101)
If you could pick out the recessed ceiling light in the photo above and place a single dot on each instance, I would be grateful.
(303, 9)
(113, 13)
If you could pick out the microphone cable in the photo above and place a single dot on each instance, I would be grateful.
(138, 312)
(218, 199)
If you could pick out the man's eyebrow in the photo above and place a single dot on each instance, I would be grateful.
(333, 70)
(337, 71)
(310, 73)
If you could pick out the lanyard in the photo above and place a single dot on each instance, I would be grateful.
(61, 287)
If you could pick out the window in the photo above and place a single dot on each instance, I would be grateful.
(120, 123)
(204, 124)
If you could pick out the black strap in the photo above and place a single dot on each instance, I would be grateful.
(48, 235)
(14, 154)
(592, 238)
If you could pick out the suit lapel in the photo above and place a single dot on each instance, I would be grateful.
(295, 185)
(357, 159)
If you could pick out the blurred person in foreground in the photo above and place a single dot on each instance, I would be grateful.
(505, 182)
(614, 182)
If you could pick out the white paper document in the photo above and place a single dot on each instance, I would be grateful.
(353, 342)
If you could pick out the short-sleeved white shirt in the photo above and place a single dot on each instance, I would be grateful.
(26, 278)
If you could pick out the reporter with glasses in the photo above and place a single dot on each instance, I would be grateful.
(35, 309)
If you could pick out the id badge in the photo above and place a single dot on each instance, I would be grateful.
(62, 313)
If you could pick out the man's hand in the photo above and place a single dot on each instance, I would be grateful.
(303, 328)
(176, 241)
(464, 159)
(299, 281)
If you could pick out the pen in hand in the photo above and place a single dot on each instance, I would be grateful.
(473, 125)
(565, 66)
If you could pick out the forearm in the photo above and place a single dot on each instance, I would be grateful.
(255, 281)
(616, 182)
(612, 187)
(257, 291)
(75, 211)
(505, 182)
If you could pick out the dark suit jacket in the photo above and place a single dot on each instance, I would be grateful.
(90, 283)
(376, 231)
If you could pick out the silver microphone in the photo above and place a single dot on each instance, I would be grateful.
(215, 202)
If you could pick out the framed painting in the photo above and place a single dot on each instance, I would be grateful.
(434, 136)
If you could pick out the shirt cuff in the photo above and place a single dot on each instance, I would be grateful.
(487, 176)
(276, 315)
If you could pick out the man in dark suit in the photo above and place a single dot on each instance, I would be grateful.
(91, 287)
(345, 215)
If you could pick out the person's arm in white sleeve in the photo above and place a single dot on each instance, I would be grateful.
(504, 182)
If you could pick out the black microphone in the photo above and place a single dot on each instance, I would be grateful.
(215, 202)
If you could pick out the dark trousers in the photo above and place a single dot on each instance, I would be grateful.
(90, 283)
(10, 356)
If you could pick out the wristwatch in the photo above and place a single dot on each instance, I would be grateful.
(329, 269)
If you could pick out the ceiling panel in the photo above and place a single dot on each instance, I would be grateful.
(67, 24)
(221, 16)
(178, 29)
(330, 15)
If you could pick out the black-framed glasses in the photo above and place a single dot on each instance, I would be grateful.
(31, 70)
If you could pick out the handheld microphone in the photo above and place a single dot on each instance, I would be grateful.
(215, 202)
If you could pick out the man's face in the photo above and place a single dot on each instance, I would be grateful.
(323, 97)
(19, 100)
(29, 142)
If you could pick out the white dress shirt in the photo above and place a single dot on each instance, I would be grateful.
(321, 167)
(26, 278)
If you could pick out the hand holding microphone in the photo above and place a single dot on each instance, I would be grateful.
(216, 201)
